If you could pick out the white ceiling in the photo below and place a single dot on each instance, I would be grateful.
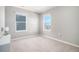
(38, 9)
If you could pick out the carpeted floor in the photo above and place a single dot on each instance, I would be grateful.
(40, 44)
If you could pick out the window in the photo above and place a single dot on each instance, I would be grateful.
(20, 23)
(47, 22)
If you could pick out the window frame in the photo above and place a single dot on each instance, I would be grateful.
(44, 29)
(16, 23)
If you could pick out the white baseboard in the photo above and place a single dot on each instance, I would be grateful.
(75, 45)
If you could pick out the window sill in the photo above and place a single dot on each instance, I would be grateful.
(22, 31)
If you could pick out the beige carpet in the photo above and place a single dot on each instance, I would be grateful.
(40, 44)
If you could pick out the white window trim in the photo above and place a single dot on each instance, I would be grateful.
(26, 23)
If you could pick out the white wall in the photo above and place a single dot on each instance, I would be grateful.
(65, 23)
(2, 17)
(32, 21)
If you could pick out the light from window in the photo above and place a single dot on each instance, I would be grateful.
(47, 22)
(20, 23)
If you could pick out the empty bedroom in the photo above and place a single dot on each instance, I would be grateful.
(39, 29)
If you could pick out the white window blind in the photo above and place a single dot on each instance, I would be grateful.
(20, 23)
